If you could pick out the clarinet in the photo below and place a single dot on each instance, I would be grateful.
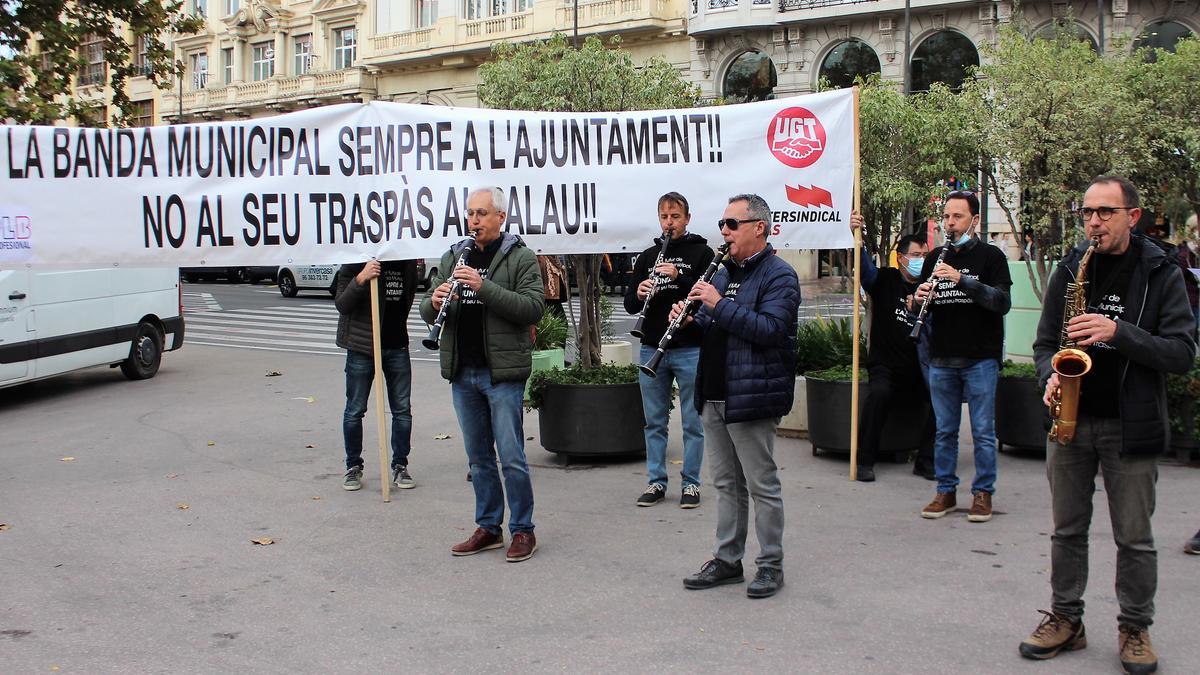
(658, 280)
(433, 341)
(689, 309)
(915, 335)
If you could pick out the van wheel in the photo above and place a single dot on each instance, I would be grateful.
(287, 284)
(145, 353)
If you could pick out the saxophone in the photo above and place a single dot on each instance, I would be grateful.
(1070, 362)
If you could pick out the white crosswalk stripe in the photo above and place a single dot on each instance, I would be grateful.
(195, 301)
(307, 329)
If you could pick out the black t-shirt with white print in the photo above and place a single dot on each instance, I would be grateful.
(472, 350)
(1109, 278)
(891, 322)
(397, 301)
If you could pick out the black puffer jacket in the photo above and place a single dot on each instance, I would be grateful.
(353, 303)
(1156, 334)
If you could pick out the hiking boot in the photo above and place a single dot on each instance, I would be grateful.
(943, 503)
(864, 474)
(1137, 654)
(655, 493)
(981, 508)
(690, 498)
(1193, 545)
(715, 572)
(481, 540)
(401, 478)
(353, 479)
(523, 546)
(1054, 634)
(767, 582)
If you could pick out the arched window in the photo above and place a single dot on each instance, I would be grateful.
(1050, 31)
(751, 77)
(1160, 35)
(847, 61)
(943, 57)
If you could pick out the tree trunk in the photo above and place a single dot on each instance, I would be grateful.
(587, 275)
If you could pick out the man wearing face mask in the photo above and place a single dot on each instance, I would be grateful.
(895, 373)
(965, 348)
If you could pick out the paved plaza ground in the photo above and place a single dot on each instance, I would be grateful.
(136, 555)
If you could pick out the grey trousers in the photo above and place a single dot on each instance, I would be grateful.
(741, 465)
(1129, 483)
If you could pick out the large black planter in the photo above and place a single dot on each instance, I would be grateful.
(592, 419)
(1022, 420)
(829, 419)
(1185, 447)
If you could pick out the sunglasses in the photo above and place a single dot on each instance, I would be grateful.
(732, 223)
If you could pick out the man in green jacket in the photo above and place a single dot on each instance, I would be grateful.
(485, 353)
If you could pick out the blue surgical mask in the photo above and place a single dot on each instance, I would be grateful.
(914, 266)
(966, 236)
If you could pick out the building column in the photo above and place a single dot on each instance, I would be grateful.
(281, 60)
(239, 59)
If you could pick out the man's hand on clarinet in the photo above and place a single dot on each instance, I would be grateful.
(643, 289)
(469, 276)
(705, 293)
(439, 295)
(677, 309)
(918, 297)
(945, 271)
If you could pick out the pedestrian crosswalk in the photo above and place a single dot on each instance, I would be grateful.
(302, 327)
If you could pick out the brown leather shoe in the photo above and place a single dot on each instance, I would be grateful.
(981, 508)
(522, 548)
(943, 503)
(480, 541)
(1053, 635)
(1137, 654)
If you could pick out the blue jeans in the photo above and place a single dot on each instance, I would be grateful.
(397, 375)
(948, 387)
(490, 417)
(677, 365)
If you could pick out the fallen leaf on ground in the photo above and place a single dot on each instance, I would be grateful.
(316, 498)
(273, 373)
(312, 399)
(3, 527)
(182, 507)
(211, 443)
(67, 459)
(677, 461)
(171, 475)
(441, 437)
(310, 445)
(263, 541)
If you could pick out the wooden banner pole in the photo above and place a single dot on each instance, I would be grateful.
(857, 285)
(385, 474)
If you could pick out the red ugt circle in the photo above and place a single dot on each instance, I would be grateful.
(796, 137)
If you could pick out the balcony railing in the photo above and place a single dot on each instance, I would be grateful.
(789, 5)
(403, 42)
(273, 92)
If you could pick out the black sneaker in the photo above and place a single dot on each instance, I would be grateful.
(353, 479)
(401, 478)
(767, 582)
(865, 474)
(655, 493)
(690, 498)
(715, 572)
(1193, 545)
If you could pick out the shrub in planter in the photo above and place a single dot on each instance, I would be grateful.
(550, 332)
(825, 343)
(589, 411)
(1022, 420)
(1182, 392)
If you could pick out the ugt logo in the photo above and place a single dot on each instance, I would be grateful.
(15, 227)
(796, 137)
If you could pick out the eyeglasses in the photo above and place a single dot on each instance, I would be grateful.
(732, 223)
(482, 213)
(1105, 212)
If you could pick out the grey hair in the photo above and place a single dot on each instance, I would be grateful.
(757, 208)
(499, 199)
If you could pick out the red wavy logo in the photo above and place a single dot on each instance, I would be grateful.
(809, 196)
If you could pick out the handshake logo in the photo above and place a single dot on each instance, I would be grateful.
(796, 137)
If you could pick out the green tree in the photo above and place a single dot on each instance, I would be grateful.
(1051, 114)
(909, 146)
(550, 75)
(40, 54)
(1168, 95)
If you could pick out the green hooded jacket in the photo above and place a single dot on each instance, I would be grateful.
(513, 301)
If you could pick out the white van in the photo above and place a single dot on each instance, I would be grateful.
(56, 321)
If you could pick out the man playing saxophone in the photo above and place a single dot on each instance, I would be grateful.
(1136, 326)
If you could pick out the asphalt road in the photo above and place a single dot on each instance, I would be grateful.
(130, 508)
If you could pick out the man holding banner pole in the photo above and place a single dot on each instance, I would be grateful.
(354, 334)
(485, 351)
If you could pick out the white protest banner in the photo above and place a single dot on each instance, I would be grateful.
(348, 182)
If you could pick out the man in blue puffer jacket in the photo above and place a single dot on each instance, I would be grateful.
(745, 383)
